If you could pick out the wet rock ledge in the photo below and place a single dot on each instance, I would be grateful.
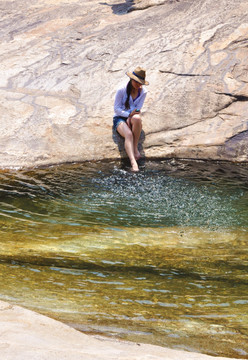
(26, 335)
(62, 60)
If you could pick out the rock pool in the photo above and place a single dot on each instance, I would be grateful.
(157, 257)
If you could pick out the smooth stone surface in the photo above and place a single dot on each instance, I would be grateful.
(61, 62)
(26, 335)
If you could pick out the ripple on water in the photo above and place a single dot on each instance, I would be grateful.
(159, 256)
(78, 196)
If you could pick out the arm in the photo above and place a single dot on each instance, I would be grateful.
(139, 103)
(119, 106)
(141, 99)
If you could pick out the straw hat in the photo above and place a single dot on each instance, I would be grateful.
(138, 75)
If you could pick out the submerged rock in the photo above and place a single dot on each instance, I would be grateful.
(62, 61)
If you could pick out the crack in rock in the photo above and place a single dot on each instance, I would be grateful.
(145, 4)
(181, 74)
(235, 97)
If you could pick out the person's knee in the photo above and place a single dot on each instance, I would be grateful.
(136, 119)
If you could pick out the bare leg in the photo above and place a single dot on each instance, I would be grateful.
(125, 132)
(136, 130)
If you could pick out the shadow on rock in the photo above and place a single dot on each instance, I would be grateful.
(119, 141)
(121, 8)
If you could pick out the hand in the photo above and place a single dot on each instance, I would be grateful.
(134, 112)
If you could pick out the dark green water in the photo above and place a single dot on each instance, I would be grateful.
(158, 257)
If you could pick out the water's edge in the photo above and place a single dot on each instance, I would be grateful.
(156, 257)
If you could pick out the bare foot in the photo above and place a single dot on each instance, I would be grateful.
(137, 155)
(135, 167)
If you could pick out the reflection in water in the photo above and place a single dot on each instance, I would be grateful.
(159, 256)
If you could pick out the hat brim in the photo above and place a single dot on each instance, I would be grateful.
(133, 77)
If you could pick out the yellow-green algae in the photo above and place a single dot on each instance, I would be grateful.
(189, 249)
(146, 257)
(159, 285)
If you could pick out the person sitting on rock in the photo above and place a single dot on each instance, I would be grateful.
(127, 120)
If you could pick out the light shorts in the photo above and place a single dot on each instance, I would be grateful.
(117, 120)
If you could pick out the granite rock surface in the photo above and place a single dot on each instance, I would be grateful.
(26, 335)
(61, 62)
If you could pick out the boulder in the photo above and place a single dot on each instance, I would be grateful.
(26, 335)
(62, 61)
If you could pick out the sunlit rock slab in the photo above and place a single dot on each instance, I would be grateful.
(27, 335)
(62, 61)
